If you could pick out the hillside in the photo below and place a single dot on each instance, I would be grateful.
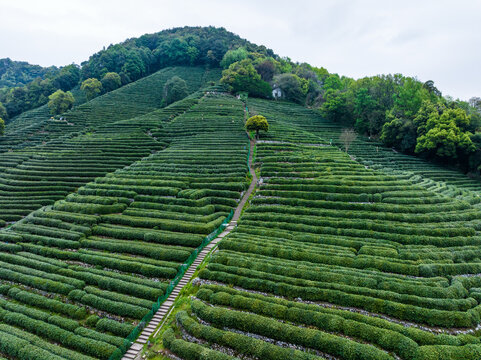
(18, 73)
(333, 259)
(55, 157)
(129, 228)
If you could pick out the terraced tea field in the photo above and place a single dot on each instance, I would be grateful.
(335, 260)
(370, 152)
(78, 276)
(60, 156)
(370, 256)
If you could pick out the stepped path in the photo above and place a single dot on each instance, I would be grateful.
(167, 306)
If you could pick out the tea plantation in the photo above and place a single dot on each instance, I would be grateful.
(338, 259)
(371, 255)
(76, 276)
(59, 156)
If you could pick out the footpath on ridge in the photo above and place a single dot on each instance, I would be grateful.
(165, 309)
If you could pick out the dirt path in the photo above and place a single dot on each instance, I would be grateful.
(252, 186)
(161, 315)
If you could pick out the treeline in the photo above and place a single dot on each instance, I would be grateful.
(15, 100)
(411, 116)
(126, 62)
(402, 112)
(18, 73)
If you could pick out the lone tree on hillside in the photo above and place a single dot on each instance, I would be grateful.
(2, 127)
(92, 87)
(347, 137)
(257, 122)
(175, 89)
(60, 101)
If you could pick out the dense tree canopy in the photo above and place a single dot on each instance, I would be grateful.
(92, 87)
(19, 73)
(3, 111)
(242, 76)
(68, 77)
(233, 56)
(445, 135)
(175, 89)
(111, 81)
(33, 84)
(406, 114)
(60, 101)
(2, 127)
(266, 70)
(292, 87)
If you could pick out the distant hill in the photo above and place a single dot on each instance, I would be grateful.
(19, 73)
(133, 59)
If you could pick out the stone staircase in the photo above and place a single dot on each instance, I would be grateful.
(136, 348)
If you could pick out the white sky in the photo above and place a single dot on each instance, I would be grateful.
(431, 39)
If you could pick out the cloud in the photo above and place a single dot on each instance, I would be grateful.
(437, 40)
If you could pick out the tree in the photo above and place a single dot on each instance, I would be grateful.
(3, 112)
(60, 101)
(111, 81)
(68, 77)
(409, 97)
(233, 56)
(400, 133)
(429, 86)
(92, 87)
(2, 127)
(290, 85)
(445, 135)
(242, 76)
(347, 137)
(475, 102)
(175, 89)
(336, 106)
(266, 70)
(364, 106)
(257, 123)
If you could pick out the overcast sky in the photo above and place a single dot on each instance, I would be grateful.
(434, 40)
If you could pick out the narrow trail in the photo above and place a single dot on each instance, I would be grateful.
(165, 309)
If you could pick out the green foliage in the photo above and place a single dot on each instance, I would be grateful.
(257, 123)
(68, 77)
(291, 87)
(444, 135)
(2, 127)
(3, 112)
(399, 133)
(242, 76)
(335, 106)
(175, 89)
(59, 102)
(111, 81)
(18, 73)
(28, 86)
(266, 69)
(92, 87)
(233, 56)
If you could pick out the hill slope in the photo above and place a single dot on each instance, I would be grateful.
(334, 260)
(55, 157)
(18, 73)
(366, 255)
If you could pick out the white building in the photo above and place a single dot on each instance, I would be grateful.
(276, 92)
